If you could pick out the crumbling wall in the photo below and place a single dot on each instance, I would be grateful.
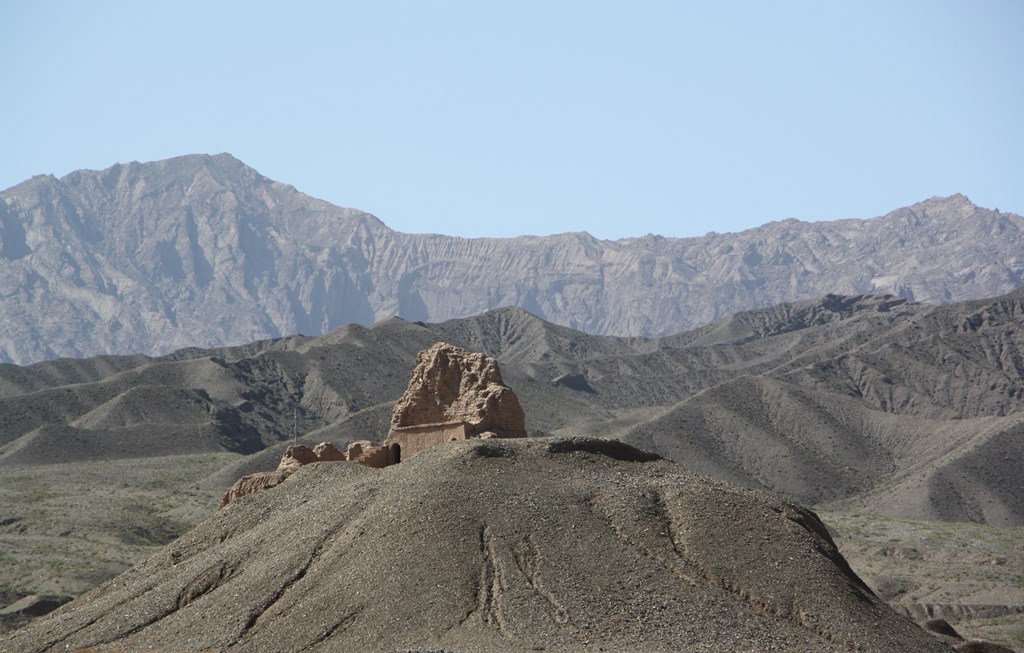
(294, 457)
(453, 394)
(414, 439)
(368, 453)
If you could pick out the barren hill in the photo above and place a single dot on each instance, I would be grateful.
(551, 544)
(204, 251)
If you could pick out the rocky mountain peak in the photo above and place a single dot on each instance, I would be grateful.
(957, 201)
(202, 250)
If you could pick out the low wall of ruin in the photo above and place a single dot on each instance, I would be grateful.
(414, 439)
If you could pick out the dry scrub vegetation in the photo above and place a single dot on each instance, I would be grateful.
(972, 575)
(66, 528)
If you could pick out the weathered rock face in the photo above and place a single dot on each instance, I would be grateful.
(451, 385)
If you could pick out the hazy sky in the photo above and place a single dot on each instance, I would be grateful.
(502, 118)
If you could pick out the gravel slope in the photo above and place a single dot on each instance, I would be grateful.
(540, 544)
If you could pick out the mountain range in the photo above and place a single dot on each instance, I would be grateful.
(896, 405)
(858, 405)
(204, 251)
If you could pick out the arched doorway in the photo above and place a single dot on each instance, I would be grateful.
(396, 453)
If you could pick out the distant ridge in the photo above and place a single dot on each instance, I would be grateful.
(204, 251)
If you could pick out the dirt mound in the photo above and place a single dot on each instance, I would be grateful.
(497, 546)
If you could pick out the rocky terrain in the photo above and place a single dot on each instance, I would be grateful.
(497, 545)
(204, 251)
(874, 409)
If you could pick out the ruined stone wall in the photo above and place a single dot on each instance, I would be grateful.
(453, 394)
(450, 384)
(414, 439)
(368, 453)
(294, 457)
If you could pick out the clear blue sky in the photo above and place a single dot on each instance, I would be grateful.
(502, 118)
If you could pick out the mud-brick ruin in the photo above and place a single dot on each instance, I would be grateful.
(453, 394)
